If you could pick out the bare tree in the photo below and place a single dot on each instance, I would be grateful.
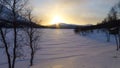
(6, 47)
(118, 6)
(113, 16)
(3, 37)
(33, 36)
(107, 29)
(15, 7)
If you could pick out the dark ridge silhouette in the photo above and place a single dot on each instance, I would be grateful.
(63, 26)
(6, 20)
(19, 24)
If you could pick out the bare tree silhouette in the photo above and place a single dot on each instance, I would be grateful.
(15, 7)
(33, 36)
(3, 36)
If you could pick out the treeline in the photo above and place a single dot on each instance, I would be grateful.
(110, 25)
(19, 24)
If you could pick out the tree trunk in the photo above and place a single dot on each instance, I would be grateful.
(15, 35)
(6, 49)
(32, 57)
(108, 36)
(14, 49)
(117, 42)
(119, 36)
(31, 47)
(32, 52)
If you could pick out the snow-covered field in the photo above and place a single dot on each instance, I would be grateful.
(62, 48)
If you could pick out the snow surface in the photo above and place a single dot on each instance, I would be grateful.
(62, 48)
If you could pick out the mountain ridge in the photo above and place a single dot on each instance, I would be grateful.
(63, 26)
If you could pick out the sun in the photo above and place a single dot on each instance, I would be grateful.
(57, 20)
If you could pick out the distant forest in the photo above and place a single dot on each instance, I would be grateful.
(110, 25)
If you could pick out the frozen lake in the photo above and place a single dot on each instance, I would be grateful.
(62, 48)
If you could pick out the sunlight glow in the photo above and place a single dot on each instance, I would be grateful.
(57, 19)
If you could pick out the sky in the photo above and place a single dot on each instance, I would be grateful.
(79, 12)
